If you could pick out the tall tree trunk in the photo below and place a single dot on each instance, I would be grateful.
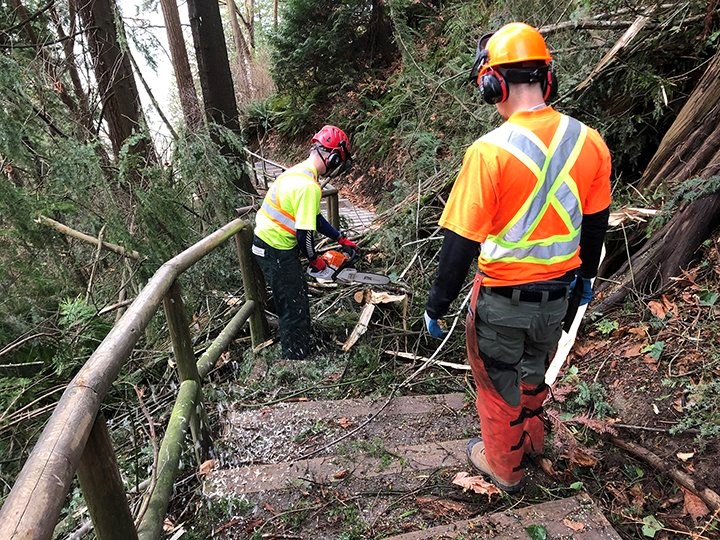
(51, 70)
(242, 51)
(68, 44)
(250, 15)
(689, 149)
(116, 84)
(275, 15)
(181, 65)
(215, 77)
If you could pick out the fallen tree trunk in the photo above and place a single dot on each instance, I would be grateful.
(666, 253)
(687, 165)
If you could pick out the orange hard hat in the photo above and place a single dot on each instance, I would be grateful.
(514, 42)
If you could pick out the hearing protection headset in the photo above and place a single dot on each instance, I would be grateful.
(492, 76)
(335, 159)
(333, 140)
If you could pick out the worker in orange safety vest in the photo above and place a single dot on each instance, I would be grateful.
(284, 230)
(533, 198)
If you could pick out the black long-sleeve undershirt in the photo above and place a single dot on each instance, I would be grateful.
(457, 253)
(306, 238)
(456, 256)
(592, 236)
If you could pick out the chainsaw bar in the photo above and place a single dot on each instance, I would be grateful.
(351, 275)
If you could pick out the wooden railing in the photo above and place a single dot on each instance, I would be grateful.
(76, 438)
(329, 192)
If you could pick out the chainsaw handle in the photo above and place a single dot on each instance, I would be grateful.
(352, 253)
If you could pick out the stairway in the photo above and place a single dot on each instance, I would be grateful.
(371, 468)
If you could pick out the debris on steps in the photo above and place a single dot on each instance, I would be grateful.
(574, 517)
(320, 469)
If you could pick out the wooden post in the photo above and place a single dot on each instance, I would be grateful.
(333, 206)
(187, 368)
(151, 525)
(254, 285)
(103, 488)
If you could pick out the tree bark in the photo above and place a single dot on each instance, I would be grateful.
(113, 72)
(216, 78)
(689, 149)
(181, 65)
(665, 254)
(241, 49)
(684, 150)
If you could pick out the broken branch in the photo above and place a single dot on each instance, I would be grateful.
(64, 229)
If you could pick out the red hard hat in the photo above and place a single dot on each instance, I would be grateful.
(333, 138)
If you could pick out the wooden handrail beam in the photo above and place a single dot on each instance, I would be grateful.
(32, 508)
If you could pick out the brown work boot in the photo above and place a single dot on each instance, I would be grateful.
(478, 461)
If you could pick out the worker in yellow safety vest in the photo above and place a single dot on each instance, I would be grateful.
(533, 197)
(284, 227)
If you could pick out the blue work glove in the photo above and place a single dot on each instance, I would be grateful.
(433, 327)
(587, 291)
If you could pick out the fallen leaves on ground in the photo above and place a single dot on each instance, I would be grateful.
(345, 422)
(694, 505)
(661, 308)
(634, 349)
(638, 496)
(476, 484)
(641, 330)
(547, 467)
(206, 467)
(582, 456)
(574, 525)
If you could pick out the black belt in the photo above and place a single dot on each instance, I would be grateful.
(527, 296)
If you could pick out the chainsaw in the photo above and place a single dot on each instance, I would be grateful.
(340, 267)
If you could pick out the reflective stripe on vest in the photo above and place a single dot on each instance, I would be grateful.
(554, 187)
(271, 207)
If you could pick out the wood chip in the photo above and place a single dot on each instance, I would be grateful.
(574, 525)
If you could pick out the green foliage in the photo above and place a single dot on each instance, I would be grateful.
(651, 526)
(606, 326)
(702, 411)
(654, 350)
(690, 190)
(590, 399)
(537, 532)
(82, 331)
(320, 48)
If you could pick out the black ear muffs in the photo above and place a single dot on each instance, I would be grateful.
(481, 57)
(334, 160)
(339, 161)
(493, 87)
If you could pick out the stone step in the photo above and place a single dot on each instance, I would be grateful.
(332, 471)
(576, 517)
(297, 470)
(299, 430)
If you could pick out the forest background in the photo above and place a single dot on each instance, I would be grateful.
(76, 149)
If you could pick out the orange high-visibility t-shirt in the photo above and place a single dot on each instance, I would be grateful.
(493, 185)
